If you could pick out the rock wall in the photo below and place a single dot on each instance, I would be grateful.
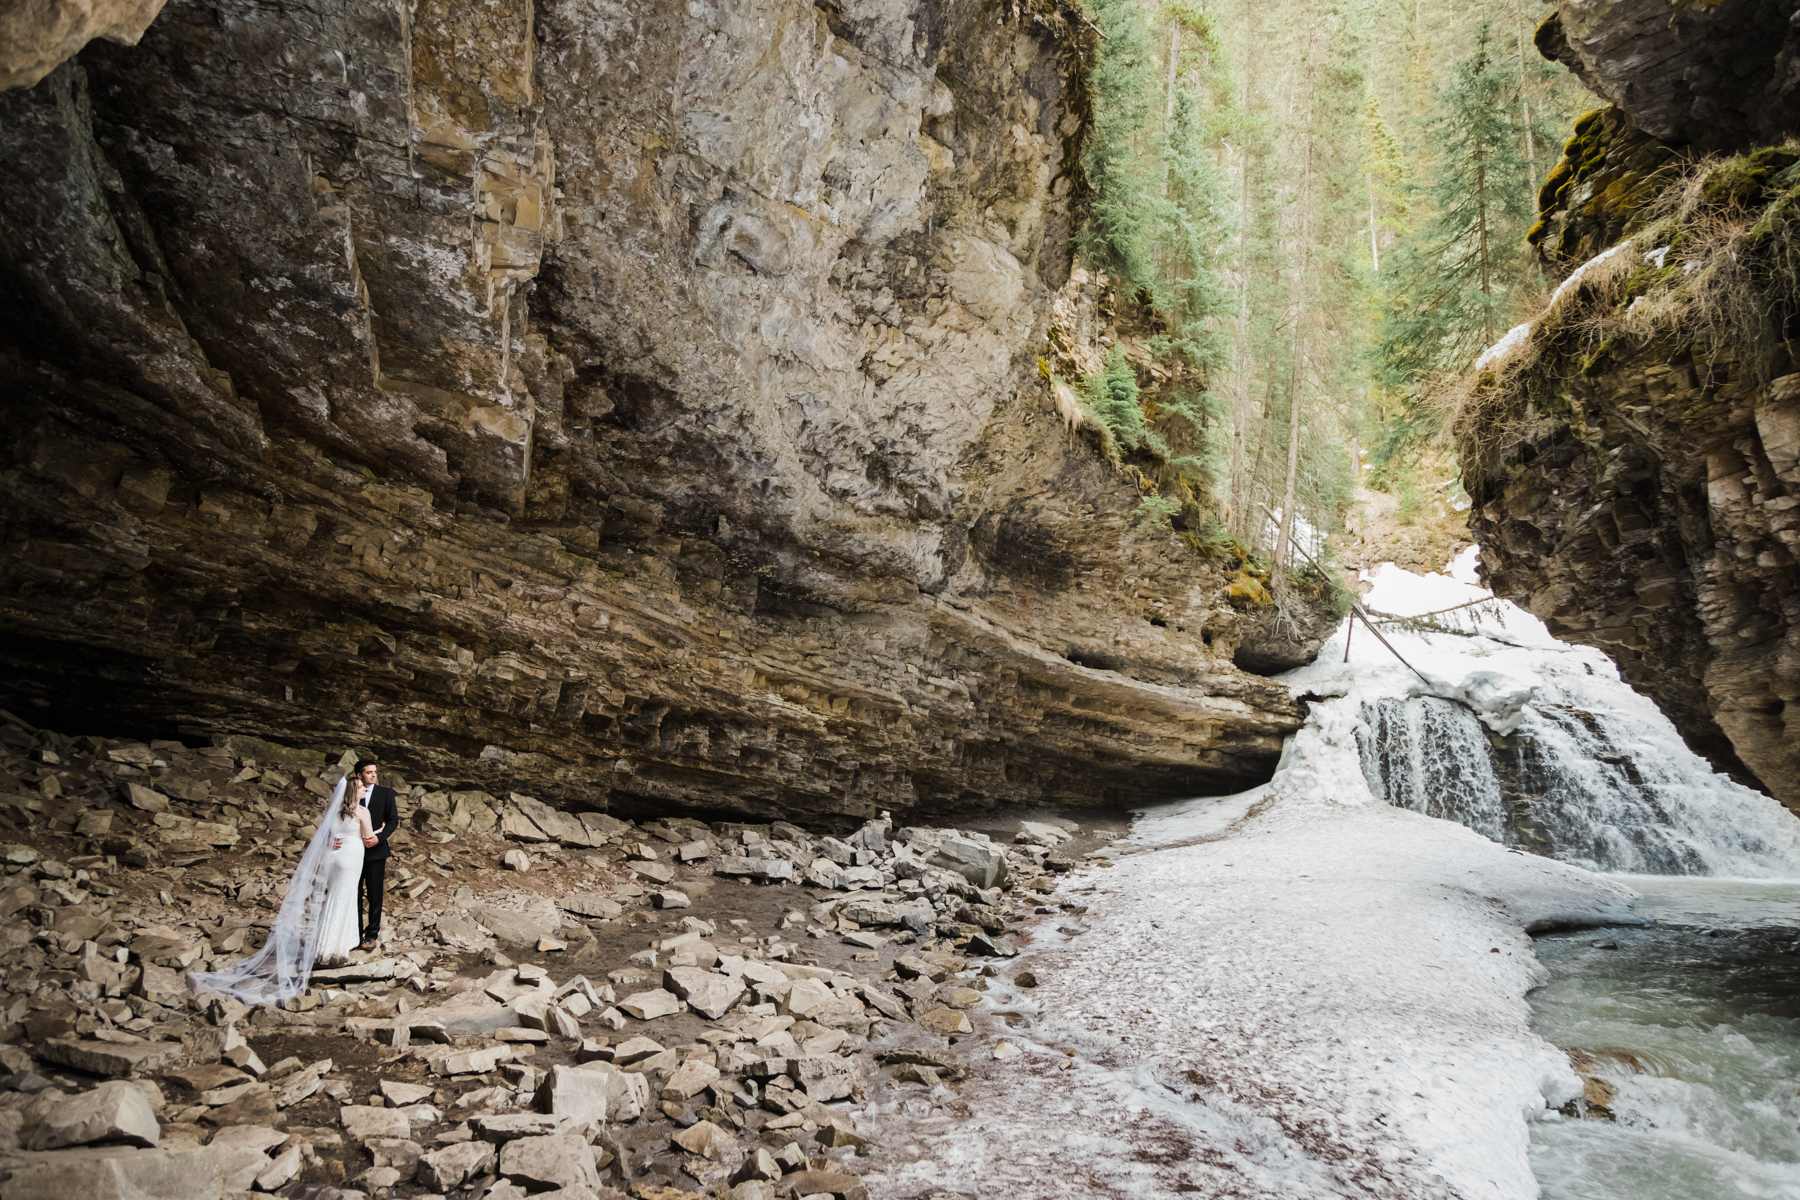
(1635, 464)
(633, 404)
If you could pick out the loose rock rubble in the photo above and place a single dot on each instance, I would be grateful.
(657, 1010)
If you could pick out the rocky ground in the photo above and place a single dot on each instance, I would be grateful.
(563, 1003)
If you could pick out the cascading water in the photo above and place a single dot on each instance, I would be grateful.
(1571, 763)
(1688, 1028)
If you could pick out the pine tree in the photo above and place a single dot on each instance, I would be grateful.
(1455, 286)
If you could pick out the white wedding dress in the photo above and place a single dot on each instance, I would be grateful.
(338, 932)
(317, 918)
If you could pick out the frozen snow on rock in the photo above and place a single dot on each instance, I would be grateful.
(1580, 273)
(1509, 345)
(1515, 338)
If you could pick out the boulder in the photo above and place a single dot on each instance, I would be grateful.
(116, 1060)
(112, 1112)
(708, 993)
(117, 1173)
(446, 1169)
(363, 1122)
(593, 1092)
(559, 1160)
(647, 1006)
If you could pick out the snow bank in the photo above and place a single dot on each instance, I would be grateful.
(1327, 1001)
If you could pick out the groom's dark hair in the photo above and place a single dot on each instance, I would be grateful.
(364, 762)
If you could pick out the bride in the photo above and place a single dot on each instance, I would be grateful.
(318, 921)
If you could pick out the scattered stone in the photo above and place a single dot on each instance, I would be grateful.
(146, 799)
(593, 1092)
(363, 1121)
(115, 1060)
(768, 870)
(656, 872)
(402, 1094)
(445, 1169)
(281, 1172)
(947, 1021)
(690, 1079)
(648, 1006)
(825, 1183)
(708, 993)
(516, 860)
(670, 898)
(592, 906)
(504, 1127)
(560, 1160)
(474, 1062)
(112, 1112)
(706, 1140)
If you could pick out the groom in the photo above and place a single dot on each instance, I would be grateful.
(384, 817)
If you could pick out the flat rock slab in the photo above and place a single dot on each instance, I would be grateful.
(112, 1112)
(447, 1168)
(769, 870)
(116, 1060)
(504, 1127)
(117, 1173)
(591, 905)
(594, 1092)
(647, 1006)
(561, 1160)
(522, 926)
(473, 1062)
(708, 993)
(365, 1121)
(377, 971)
(401, 1094)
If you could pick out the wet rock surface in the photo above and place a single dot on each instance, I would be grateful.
(574, 401)
(429, 1068)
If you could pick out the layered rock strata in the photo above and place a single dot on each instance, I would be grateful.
(1635, 464)
(636, 406)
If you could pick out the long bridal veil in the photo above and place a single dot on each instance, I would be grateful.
(279, 970)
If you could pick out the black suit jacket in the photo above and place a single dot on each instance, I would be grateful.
(384, 815)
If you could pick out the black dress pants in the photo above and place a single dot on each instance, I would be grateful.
(368, 896)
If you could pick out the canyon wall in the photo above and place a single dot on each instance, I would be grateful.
(637, 405)
(1635, 461)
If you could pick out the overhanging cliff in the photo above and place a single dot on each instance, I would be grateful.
(1635, 460)
(632, 404)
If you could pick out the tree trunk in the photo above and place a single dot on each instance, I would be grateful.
(1531, 167)
(1374, 229)
(1296, 345)
(1169, 88)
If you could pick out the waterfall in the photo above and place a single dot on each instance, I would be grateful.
(1575, 765)
(1431, 756)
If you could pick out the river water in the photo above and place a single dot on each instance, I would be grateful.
(1693, 1025)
